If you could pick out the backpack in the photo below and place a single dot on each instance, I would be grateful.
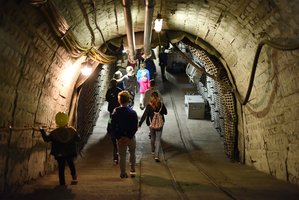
(157, 121)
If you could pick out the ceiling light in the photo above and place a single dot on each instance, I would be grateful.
(86, 70)
(158, 23)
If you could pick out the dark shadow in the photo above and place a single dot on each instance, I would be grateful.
(95, 150)
(158, 181)
(58, 192)
(172, 150)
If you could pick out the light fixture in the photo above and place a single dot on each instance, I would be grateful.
(86, 70)
(158, 23)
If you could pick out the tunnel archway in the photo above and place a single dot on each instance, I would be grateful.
(34, 60)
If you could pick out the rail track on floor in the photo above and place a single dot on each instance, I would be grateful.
(185, 140)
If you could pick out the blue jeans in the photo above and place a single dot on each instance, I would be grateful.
(156, 141)
(123, 145)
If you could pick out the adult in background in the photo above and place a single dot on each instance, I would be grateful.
(124, 124)
(155, 105)
(63, 146)
(117, 76)
(112, 99)
(130, 83)
(151, 67)
(163, 58)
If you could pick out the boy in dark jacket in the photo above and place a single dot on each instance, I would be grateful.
(124, 123)
(63, 148)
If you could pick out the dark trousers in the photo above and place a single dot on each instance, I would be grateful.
(115, 149)
(61, 160)
(113, 139)
(163, 70)
(131, 104)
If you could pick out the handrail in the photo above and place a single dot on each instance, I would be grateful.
(25, 128)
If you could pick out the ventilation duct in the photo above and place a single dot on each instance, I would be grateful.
(149, 10)
(129, 28)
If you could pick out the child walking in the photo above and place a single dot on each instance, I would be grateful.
(124, 124)
(63, 148)
(144, 85)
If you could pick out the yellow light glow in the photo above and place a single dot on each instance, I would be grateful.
(86, 71)
(69, 75)
(158, 25)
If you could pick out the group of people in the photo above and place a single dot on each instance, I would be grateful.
(123, 123)
(133, 83)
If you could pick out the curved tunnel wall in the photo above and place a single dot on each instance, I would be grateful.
(32, 92)
(267, 124)
(32, 89)
(91, 99)
(38, 78)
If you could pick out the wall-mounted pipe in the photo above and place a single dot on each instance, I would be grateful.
(148, 24)
(129, 28)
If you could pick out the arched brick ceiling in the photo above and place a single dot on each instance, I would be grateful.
(212, 20)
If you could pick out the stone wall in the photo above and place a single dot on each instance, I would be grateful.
(33, 86)
(268, 124)
(272, 117)
(91, 99)
(33, 90)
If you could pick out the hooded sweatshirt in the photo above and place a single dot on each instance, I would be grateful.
(63, 141)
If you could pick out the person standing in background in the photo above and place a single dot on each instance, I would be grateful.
(163, 58)
(151, 67)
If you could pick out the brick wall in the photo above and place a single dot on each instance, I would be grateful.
(268, 131)
(32, 92)
(268, 124)
(272, 117)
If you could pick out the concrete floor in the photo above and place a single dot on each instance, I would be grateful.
(193, 165)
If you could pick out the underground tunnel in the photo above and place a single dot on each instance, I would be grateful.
(240, 57)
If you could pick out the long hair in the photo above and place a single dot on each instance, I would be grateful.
(155, 101)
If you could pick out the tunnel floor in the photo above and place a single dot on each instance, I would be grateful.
(193, 165)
